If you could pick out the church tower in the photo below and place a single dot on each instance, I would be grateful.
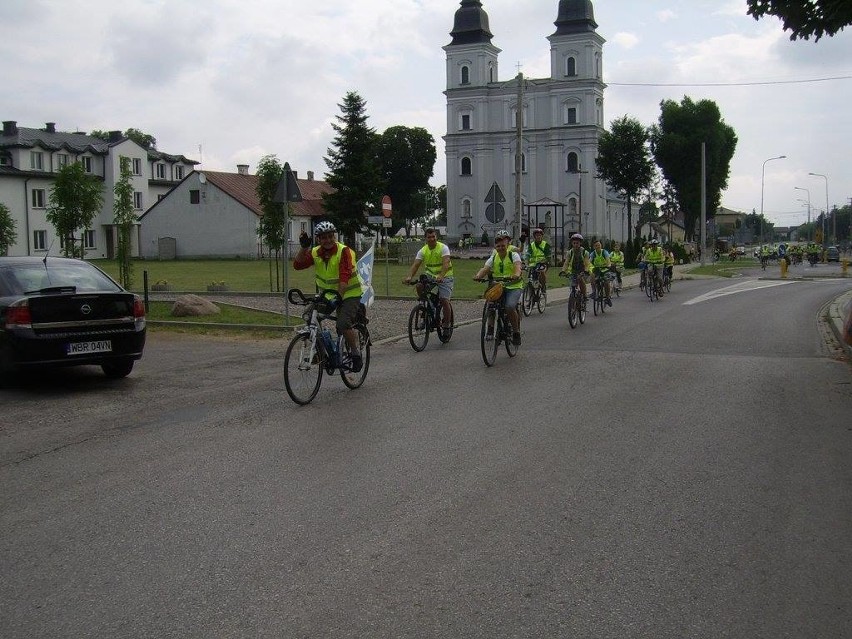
(562, 119)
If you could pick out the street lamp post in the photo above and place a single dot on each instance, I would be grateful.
(762, 178)
(834, 234)
(809, 208)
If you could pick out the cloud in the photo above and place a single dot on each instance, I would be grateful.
(665, 15)
(625, 40)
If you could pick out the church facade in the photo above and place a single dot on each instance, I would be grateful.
(555, 147)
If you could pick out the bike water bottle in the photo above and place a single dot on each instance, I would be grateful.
(328, 343)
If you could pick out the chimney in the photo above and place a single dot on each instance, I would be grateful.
(310, 176)
(295, 175)
(50, 127)
(242, 169)
(115, 136)
(10, 127)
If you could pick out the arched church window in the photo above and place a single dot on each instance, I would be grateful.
(571, 66)
(466, 166)
(573, 163)
(465, 75)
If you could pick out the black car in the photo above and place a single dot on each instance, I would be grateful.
(832, 254)
(56, 311)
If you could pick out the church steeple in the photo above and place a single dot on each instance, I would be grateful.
(471, 24)
(575, 16)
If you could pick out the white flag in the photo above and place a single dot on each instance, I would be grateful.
(365, 272)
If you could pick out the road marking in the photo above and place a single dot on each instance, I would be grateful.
(740, 287)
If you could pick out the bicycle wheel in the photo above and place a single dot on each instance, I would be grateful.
(528, 299)
(602, 297)
(418, 328)
(444, 334)
(581, 309)
(354, 380)
(541, 302)
(302, 370)
(507, 332)
(572, 309)
(668, 284)
(489, 344)
(642, 281)
(649, 288)
(598, 302)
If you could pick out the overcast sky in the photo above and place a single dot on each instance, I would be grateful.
(239, 79)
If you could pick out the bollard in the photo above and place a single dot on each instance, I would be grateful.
(783, 261)
(845, 267)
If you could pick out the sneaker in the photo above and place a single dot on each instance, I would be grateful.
(516, 339)
(608, 302)
(357, 363)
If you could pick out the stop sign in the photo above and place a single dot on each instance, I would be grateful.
(387, 209)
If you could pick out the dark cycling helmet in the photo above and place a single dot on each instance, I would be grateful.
(537, 231)
(501, 234)
(324, 227)
(576, 236)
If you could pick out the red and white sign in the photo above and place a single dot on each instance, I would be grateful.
(387, 208)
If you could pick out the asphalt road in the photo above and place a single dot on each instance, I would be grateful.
(676, 469)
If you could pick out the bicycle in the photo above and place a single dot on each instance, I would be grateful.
(312, 351)
(667, 280)
(576, 302)
(599, 288)
(535, 292)
(614, 283)
(496, 326)
(643, 278)
(764, 260)
(653, 284)
(428, 315)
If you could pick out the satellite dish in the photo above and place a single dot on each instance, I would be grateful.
(202, 179)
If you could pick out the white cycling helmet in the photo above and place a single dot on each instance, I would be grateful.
(655, 241)
(577, 236)
(324, 227)
(501, 234)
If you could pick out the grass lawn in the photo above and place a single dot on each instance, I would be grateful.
(725, 268)
(254, 276)
(263, 324)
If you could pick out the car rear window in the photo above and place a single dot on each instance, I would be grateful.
(17, 279)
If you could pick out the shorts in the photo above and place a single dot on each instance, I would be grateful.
(445, 288)
(347, 312)
(512, 296)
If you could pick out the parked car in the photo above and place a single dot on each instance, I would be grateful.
(56, 311)
(741, 250)
(832, 254)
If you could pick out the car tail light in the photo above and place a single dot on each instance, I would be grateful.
(139, 312)
(18, 315)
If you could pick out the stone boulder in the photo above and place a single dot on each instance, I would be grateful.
(193, 306)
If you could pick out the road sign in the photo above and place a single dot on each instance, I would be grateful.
(387, 208)
(495, 194)
(378, 220)
(287, 189)
(387, 222)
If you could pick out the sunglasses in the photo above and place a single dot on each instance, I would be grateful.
(324, 236)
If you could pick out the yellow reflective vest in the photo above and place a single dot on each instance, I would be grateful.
(327, 274)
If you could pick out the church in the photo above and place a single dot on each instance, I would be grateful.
(542, 173)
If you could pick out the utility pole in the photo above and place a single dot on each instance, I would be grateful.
(519, 127)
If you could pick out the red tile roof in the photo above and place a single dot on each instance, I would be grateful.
(243, 188)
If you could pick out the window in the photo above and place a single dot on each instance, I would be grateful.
(573, 163)
(515, 117)
(36, 160)
(178, 172)
(570, 66)
(195, 196)
(465, 75)
(61, 160)
(87, 163)
(89, 239)
(39, 240)
(491, 73)
(5, 160)
(161, 171)
(137, 200)
(465, 122)
(137, 166)
(466, 166)
(38, 198)
(466, 209)
(570, 115)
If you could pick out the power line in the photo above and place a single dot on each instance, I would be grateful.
(726, 84)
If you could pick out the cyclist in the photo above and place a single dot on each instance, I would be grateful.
(600, 261)
(669, 262)
(577, 263)
(435, 258)
(506, 263)
(538, 252)
(616, 258)
(655, 257)
(334, 268)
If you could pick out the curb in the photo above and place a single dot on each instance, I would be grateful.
(835, 314)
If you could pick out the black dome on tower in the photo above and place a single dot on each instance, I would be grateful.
(575, 16)
(471, 24)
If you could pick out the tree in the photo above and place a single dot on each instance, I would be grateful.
(624, 161)
(441, 198)
(8, 235)
(272, 228)
(805, 18)
(354, 171)
(75, 199)
(406, 157)
(676, 142)
(124, 217)
(145, 140)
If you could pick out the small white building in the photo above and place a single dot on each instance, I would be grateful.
(215, 214)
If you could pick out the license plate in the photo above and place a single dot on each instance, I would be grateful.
(85, 348)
